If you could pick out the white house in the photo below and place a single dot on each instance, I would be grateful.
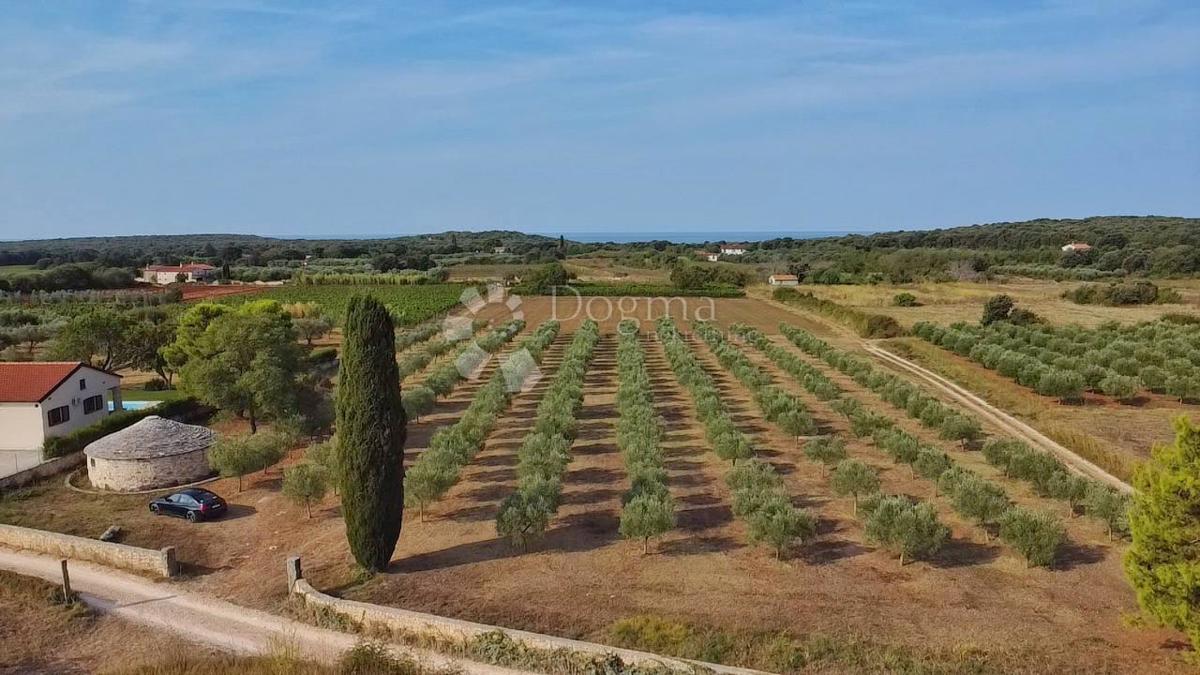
(43, 399)
(733, 249)
(708, 255)
(1076, 247)
(169, 274)
(783, 280)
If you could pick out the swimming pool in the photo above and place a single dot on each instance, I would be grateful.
(135, 405)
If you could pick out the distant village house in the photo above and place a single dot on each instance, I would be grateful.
(43, 399)
(708, 255)
(169, 274)
(783, 280)
(1076, 247)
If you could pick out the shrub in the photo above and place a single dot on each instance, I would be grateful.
(305, 484)
(977, 499)
(647, 516)
(1109, 506)
(997, 308)
(523, 517)
(854, 478)
(956, 427)
(905, 300)
(1121, 387)
(1036, 536)
(778, 524)
(911, 531)
(59, 446)
(827, 450)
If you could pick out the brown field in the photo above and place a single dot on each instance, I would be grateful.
(946, 303)
(975, 602)
(195, 292)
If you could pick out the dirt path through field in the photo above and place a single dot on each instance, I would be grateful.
(208, 621)
(1010, 424)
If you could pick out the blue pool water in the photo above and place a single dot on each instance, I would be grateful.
(135, 405)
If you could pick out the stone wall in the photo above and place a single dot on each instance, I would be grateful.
(145, 560)
(146, 474)
(44, 470)
(417, 623)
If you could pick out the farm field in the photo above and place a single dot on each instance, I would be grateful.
(6, 270)
(980, 608)
(948, 302)
(200, 293)
(410, 304)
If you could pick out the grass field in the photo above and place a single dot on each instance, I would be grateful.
(963, 301)
(6, 270)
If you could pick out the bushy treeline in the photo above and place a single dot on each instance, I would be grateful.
(1128, 293)
(437, 469)
(648, 509)
(409, 278)
(865, 324)
(545, 452)
(1119, 361)
(778, 406)
(1056, 272)
(758, 495)
(69, 277)
(419, 400)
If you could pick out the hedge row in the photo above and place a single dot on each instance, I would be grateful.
(59, 446)
(420, 399)
(758, 495)
(778, 406)
(437, 469)
(546, 450)
(865, 324)
(647, 508)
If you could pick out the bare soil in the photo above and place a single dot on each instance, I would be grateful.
(582, 577)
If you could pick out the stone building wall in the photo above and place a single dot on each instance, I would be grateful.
(146, 474)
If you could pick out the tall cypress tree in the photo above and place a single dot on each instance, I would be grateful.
(370, 431)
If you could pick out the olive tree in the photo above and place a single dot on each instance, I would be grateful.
(305, 484)
(854, 478)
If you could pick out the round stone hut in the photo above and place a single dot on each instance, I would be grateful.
(153, 453)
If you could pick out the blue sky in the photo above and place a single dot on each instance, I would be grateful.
(398, 117)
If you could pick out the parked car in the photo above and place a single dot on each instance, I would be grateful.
(193, 503)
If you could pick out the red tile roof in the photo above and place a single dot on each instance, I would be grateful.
(33, 381)
(191, 267)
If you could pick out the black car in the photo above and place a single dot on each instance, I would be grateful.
(193, 503)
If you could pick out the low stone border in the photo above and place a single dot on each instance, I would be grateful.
(39, 471)
(159, 563)
(403, 621)
(88, 491)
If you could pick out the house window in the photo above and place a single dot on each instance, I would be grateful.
(82, 383)
(92, 404)
(58, 415)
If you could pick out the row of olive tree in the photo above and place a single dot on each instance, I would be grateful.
(950, 424)
(420, 399)
(758, 495)
(546, 450)
(648, 509)
(778, 406)
(437, 469)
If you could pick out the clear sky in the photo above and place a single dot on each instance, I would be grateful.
(336, 118)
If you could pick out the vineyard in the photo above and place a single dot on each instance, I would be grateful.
(1122, 362)
(409, 304)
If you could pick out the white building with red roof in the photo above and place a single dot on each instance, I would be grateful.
(169, 274)
(43, 399)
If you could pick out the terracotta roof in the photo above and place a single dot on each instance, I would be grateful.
(785, 277)
(191, 267)
(32, 382)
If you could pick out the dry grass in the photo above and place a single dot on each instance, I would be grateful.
(947, 303)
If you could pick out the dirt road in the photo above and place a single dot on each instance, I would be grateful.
(208, 621)
(1009, 423)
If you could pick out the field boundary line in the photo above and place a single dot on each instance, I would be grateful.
(1006, 421)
